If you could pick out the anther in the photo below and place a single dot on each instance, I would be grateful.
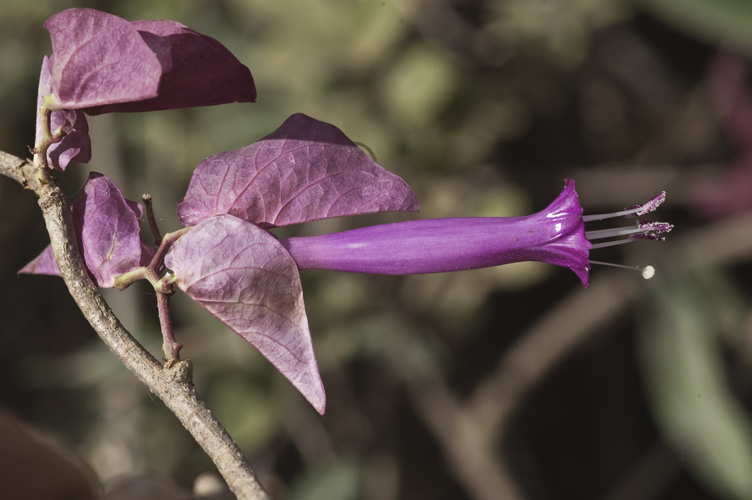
(647, 271)
(636, 211)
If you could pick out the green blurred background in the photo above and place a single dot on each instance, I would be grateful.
(508, 383)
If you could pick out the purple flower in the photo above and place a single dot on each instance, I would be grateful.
(555, 235)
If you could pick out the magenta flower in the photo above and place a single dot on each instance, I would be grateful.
(555, 235)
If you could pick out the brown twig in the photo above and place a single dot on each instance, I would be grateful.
(172, 383)
(13, 167)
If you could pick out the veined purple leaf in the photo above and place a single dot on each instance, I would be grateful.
(108, 231)
(241, 274)
(98, 59)
(204, 72)
(306, 170)
(44, 263)
(76, 144)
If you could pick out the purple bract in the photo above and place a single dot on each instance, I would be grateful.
(108, 234)
(303, 171)
(242, 274)
(102, 63)
(98, 58)
(203, 72)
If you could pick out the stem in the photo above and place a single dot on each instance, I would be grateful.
(15, 168)
(170, 347)
(146, 199)
(163, 287)
(167, 241)
(172, 383)
(40, 149)
(151, 272)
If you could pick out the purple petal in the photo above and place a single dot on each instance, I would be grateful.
(306, 170)
(76, 144)
(204, 72)
(555, 235)
(98, 59)
(242, 275)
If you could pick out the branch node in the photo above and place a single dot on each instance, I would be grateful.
(180, 371)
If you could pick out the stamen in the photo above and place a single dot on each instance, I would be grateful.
(647, 271)
(636, 211)
(644, 230)
(605, 244)
(612, 232)
(652, 230)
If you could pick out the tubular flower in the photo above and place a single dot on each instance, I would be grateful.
(555, 235)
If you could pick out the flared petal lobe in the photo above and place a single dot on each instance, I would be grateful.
(555, 235)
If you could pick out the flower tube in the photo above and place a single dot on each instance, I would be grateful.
(555, 235)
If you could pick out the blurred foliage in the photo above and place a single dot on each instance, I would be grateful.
(340, 480)
(483, 106)
(723, 22)
(685, 376)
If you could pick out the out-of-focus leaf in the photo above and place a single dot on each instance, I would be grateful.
(720, 21)
(338, 480)
(685, 379)
(731, 191)
(305, 170)
(241, 274)
(25, 457)
(418, 86)
(246, 409)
